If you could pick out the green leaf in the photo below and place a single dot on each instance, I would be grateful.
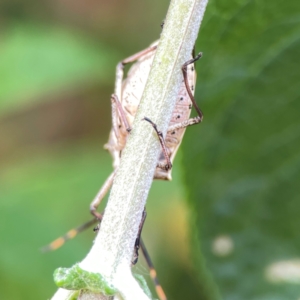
(75, 278)
(243, 162)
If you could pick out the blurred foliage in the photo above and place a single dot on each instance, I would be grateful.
(57, 64)
(242, 166)
(36, 59)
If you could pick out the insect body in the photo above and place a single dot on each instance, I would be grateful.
(127, 98)
(125, 102)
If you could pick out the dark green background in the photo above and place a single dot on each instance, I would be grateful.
(238, 173)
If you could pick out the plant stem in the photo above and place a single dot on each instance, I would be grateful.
(112, 251)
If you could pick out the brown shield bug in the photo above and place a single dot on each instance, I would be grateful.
(124, 103)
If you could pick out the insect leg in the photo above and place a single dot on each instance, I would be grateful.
(153, 275)
(120, 68)
(136, 56)
(140, 244)
(115, 101)
(186, 82)
(138, 239)
(100, 195)
(168, 165)
(68, 236)
(94, 205)
(189, 122)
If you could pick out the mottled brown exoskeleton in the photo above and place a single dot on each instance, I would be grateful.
(125, 102)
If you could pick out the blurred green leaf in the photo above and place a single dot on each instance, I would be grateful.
(37, 59)
(243, 162)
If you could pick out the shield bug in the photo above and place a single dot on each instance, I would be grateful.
(124, 104)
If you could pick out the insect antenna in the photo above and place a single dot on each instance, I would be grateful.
(68, 236)
(159, 290)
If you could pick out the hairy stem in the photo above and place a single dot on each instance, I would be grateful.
(112, 251)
